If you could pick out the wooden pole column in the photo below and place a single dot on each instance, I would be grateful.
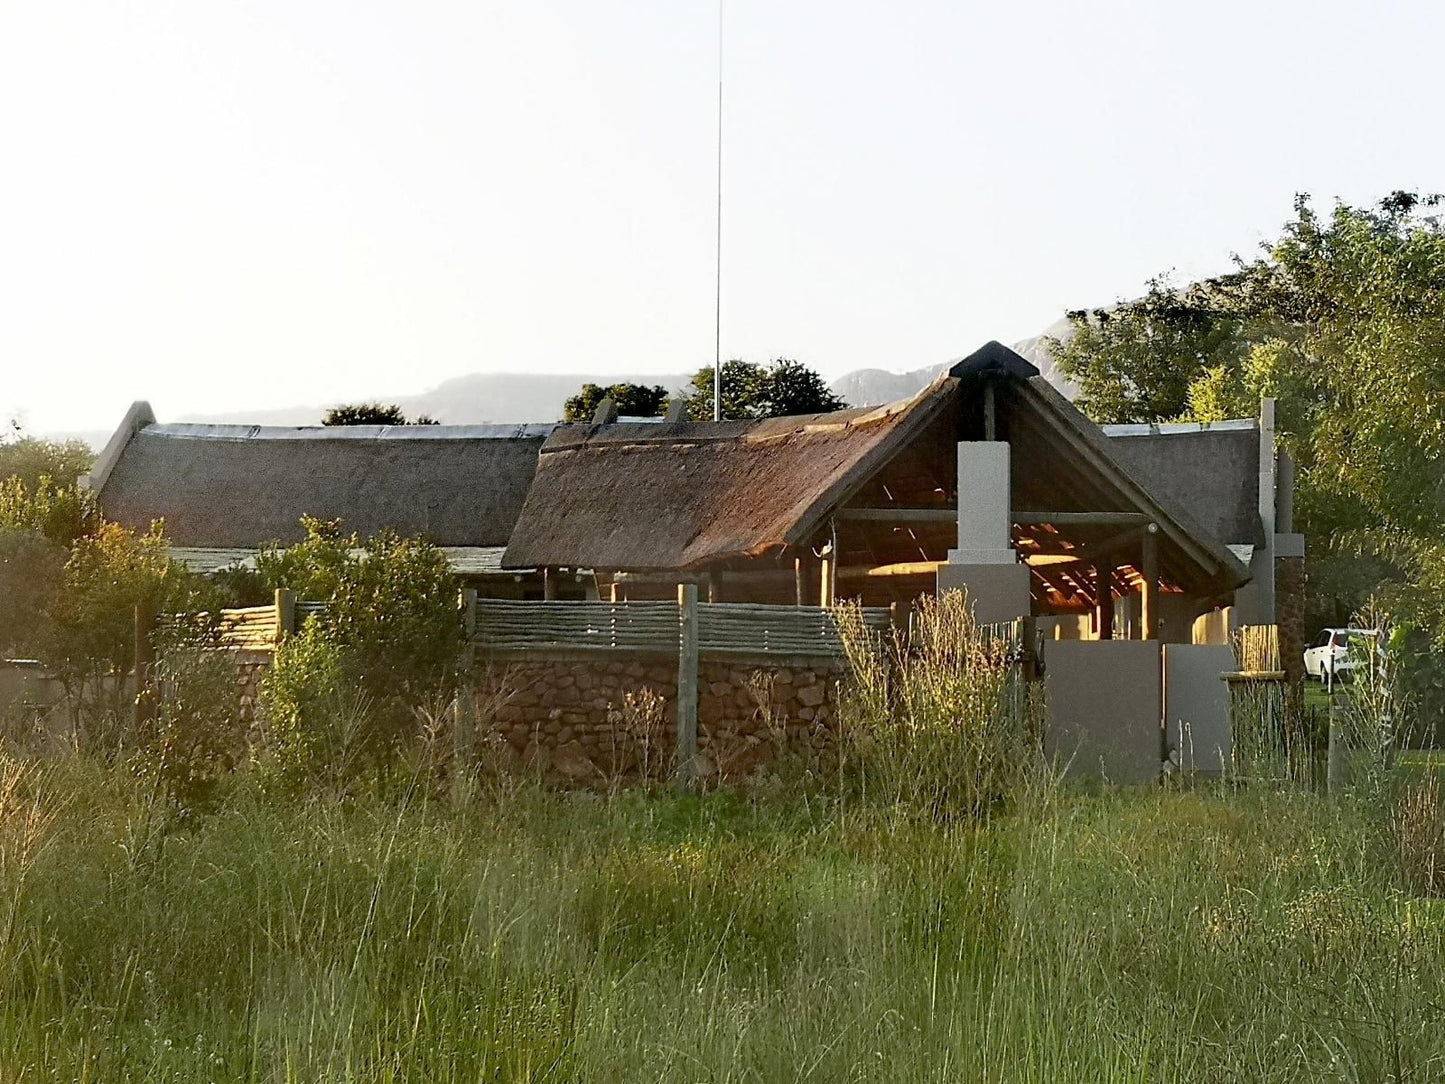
(1104, 595)
(549, 584)
(827, 577)
(1149, 596)
(687, 688)
(285, 602)
(462, 735)
(146, 701)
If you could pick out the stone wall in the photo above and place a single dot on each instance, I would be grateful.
(251, 666)
(597, 718)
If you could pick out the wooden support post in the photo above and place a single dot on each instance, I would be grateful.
(687, 688)
(1104, 600)
(713, 593)
(990, 412)
(1149, 595)
(146, 701)
(465, 713)
(549, 584)
(285, 614)
(798, 578)
(613, 591)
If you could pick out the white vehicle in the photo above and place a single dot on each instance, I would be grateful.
(1332, 658)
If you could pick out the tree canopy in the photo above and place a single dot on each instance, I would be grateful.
(29, 459)
(631, 400)
(372, 414)
(750, 390)
(1341, 318)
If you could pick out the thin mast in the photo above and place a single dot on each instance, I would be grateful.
(717, 296)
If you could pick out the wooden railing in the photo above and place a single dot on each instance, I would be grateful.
(727, 628)
(723, 628)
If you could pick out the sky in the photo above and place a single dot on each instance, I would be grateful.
(220, 206)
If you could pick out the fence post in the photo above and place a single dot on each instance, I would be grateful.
(1337, 762)
(145, 657)
(466, 703)
(285, 614)
(687, 688)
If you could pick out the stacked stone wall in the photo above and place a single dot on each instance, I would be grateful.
(251, 667)
(603, 717)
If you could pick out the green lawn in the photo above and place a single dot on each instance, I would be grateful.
(1150, 935)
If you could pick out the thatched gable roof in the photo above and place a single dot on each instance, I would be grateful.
(240, 486)
(679, 496)
(654, 497)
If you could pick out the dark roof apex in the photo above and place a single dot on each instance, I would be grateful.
(993, 357)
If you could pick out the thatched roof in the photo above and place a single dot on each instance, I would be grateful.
(240, 486)
(679, 496)
(653, 497)
(1213, 470)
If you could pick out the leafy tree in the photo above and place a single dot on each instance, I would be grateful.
(30, 459)
(1342, 319)
(61, 512)
(89, 640)
(749, 390)
(372, 414)
(631, 400)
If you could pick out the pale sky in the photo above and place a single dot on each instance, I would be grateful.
(226, 205)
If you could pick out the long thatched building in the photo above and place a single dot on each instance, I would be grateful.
(869, 504)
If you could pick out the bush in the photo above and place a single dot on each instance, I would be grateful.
(315, 726)
(391, 614)
(196, 739)
(940, 725)
(32, 569)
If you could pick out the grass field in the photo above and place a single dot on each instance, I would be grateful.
(1157, 935)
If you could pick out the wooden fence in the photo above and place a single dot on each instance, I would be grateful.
(723, 628)
(504, 625)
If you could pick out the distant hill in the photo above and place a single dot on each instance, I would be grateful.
(873, 387)
(471, 399)
(534, 397)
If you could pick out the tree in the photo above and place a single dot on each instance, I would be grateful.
(631, 400)
(32, 568)
(372, 414)
(30, 459)
(1342, 320)
(749, 390)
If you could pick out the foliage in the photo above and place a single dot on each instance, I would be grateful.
(314, 726)
(62, 513)
(30, 459)
(31, 574)
(372, 414)
(631, 400)
(939, 726)
(392, 612)
(90, 640)
(1342, 320)
(1207, 935)
(197, 738)
(779, 389)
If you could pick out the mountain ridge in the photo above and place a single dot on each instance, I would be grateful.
(504, 398)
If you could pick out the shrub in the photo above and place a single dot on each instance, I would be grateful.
(391, 615)
(314, 727)
(62, 513)
(196, 739)
(939, 724)
(32, 569)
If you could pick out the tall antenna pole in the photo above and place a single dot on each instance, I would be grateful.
(717, 297)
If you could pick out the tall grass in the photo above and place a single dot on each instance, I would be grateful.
(1146, 935)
